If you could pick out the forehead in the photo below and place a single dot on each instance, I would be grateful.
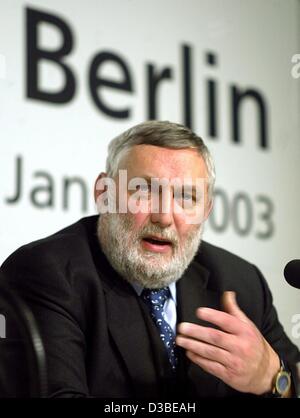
(150, 160)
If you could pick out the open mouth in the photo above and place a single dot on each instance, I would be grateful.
(156, 244)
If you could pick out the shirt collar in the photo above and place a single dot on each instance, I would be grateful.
(138, 288)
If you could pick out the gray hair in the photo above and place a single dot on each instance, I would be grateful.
(161, 134)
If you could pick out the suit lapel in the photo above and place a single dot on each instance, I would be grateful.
(192, 293)
(136, 339)
(131, 336)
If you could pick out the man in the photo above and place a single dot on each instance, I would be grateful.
(131, 303)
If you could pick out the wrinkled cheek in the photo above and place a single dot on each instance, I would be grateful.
(138, 219)
(186, 235)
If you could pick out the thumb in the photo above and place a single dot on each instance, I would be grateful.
(230, 305)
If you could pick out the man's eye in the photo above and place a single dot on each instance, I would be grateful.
(144, 188)
(188, 197)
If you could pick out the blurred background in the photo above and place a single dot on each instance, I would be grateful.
(75, 74)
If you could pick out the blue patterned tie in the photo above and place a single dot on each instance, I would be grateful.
(155, 300)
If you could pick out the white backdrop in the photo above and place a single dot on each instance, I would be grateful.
(257, 203)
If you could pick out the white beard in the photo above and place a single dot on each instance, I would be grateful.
(122, 247)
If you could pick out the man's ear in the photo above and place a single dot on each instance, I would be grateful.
(99, 190)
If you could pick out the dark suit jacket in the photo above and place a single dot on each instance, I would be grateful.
(99, 338)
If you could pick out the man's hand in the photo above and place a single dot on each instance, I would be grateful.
(237, 353)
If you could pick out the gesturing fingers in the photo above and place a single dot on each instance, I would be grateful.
(223, 320)
(208, 335)
(236, 352)
(203, 350)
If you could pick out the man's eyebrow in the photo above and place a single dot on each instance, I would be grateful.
(146, 177)
(190, 187)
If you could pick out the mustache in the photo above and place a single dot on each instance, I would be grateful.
(167, 234)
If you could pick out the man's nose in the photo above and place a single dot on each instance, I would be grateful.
(162, 213)
(163, 219)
